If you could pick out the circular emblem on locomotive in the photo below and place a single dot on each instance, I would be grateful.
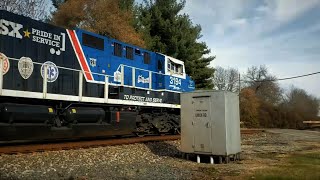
(53, 71)
(5, 63)
(25, 67)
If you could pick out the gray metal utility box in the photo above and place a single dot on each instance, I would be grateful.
(210, 123)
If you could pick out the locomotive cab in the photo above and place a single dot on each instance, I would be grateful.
(175, 67)
(176, 78)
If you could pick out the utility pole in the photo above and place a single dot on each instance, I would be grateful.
(239, 85)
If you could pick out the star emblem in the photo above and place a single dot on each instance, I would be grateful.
(27, 33)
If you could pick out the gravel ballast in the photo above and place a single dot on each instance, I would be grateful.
(153, 160)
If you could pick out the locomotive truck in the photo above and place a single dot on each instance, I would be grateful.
(58, 83)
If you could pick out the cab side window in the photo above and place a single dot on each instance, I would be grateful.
(169, 65)
(175, 68)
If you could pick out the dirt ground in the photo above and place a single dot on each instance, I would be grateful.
(159, 160)
(270, 149)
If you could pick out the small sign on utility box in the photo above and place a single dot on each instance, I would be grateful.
(210, 125)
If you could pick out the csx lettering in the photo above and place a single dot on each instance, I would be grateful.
(10, 28)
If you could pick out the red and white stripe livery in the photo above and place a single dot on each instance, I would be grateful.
(80, 55)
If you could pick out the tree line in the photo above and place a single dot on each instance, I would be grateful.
(263, 103)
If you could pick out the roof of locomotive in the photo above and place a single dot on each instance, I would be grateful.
(177, 61)
(113, 40)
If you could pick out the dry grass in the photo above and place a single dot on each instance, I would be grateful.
(297, 166)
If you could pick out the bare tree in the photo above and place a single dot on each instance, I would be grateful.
(298, 100)
(263, 83)
(226, 79)
(35, 9)
(256, 75)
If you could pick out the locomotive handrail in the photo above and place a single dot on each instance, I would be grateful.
(143, 69)
(45, 82)
(66, 68)
(80, 98)
(98, 82)
(121, 66)
(45, 79)
(1, 76)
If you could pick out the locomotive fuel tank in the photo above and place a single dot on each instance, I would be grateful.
(84, 115)
(23, 113)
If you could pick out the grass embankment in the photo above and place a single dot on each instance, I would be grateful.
(297, 166)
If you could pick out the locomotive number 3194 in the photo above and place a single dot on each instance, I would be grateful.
(175, 81)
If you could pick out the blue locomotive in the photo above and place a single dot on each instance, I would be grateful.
(59, 83)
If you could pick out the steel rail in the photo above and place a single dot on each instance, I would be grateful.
(30, 148)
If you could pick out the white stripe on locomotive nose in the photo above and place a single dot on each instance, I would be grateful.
(88, 75)
(85, 59)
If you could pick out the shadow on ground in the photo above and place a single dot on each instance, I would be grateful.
(164, 149)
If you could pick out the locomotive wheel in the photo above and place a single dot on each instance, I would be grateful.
(140, 132)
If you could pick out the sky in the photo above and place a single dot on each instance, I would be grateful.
(284, 35)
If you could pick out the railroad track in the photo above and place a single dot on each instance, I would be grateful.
(30, 148)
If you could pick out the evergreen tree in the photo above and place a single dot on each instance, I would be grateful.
(173, 34)
(57, 3)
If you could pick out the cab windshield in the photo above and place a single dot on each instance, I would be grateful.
(175, 68)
